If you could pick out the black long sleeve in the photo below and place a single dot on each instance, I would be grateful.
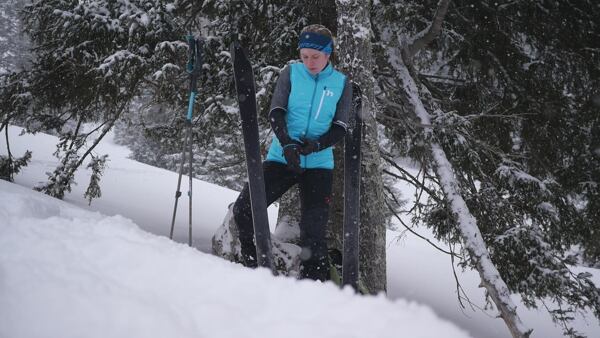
(332, 136)
(277, 120)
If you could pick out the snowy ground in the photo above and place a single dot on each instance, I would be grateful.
(68, 272)
(103, 272)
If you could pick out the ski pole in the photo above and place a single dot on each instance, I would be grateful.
(193, 68)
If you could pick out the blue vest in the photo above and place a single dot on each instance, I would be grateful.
(311, 107)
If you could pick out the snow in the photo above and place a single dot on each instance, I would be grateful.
(109, 270)
(472, 236)
(76, 273)
(145, 19)
(514, 175)
(119, 56)
(70, 272)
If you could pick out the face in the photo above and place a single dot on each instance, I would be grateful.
(313, 60)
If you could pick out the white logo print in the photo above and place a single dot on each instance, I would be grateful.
(326, 92)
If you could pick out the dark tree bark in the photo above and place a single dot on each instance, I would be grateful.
(355, 59)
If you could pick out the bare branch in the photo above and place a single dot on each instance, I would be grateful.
(407, 177)
(427, 35)
(416, 234)
(452, 79)
(459, 289)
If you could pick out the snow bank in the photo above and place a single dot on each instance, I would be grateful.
(142, 193)
(67, 272)
(145, 194)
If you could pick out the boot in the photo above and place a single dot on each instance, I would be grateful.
(249, 254)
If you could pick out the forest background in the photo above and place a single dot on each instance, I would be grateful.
(497, 101)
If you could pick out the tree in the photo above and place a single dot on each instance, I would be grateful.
(356, 60)
(507, 126)
(271, 38)
(92, 61)
(14, 57)
(14, 43)
(400, 60)
(266, 28)
(473, 92)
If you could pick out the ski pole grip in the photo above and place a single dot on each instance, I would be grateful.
(191, 105)
(191, 52)
(194, 65)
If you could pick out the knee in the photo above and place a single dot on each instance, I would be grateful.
(313, 229)
(242, 215)
(241, 208)
(314, 221)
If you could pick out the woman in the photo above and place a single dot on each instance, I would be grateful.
(308, 114)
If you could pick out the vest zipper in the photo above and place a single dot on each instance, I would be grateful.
(310, 114)
(321, 103)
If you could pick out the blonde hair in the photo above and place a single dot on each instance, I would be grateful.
(320, 29)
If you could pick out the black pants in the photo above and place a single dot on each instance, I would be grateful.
(315, 193)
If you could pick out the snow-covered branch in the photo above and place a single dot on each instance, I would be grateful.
(471, 235)
(468, 228)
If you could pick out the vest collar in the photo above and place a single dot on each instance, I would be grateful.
(328, 70)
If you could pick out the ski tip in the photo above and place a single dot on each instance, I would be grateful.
(239, 56)
(236, 48)
(232, 48)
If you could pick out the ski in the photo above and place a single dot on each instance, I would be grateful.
(352, 157)
(244, 84)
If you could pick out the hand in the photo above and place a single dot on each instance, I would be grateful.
(309, 146)
(291, 152)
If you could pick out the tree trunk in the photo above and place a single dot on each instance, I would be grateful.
(356, 60)
(400, 51)
(468, 228)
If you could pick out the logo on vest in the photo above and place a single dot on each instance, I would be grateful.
(326, 92)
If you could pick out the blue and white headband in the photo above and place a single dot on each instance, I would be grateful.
(316, 41)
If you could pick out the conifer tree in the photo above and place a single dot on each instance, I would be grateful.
(355, 58)
(92, 60)
(510, 110)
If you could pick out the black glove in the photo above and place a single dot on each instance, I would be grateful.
(291, 152)
(309, 146)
